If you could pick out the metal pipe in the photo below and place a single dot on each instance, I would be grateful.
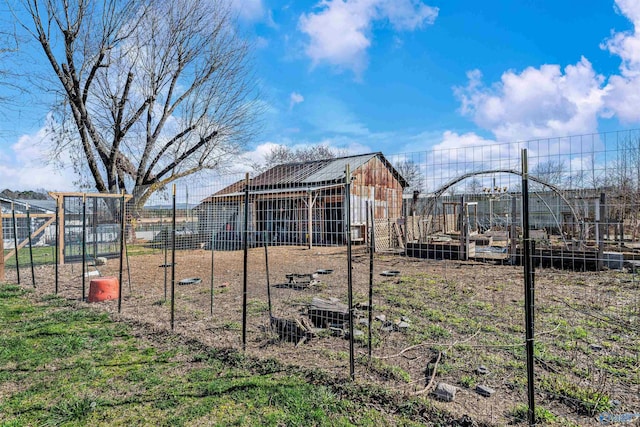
(310, 220)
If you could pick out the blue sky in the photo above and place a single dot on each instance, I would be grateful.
(402, 76)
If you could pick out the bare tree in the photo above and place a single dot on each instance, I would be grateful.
(9, 72)
(623, 184)
(551, 172)
(281, 154)
(149, 92)
(474, 186)
(410, 171)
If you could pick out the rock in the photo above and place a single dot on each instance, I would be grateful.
(402, 326)
(364, 322)
(100, 261)
(337, 332)
(356, 333)
(465, 421)
(405, 319)
(484, 390)
(482, 370)
(381, 317)
(595, 347)
(387, 327)
(446, 392)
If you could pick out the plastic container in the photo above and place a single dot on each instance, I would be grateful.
(103, 289)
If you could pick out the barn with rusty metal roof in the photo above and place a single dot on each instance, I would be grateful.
(304, 203)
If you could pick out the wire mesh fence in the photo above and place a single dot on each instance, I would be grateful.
(445, 287)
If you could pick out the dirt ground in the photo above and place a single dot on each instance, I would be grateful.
(460, 315)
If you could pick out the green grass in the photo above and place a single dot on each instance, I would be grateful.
(61, 365)
(46, 255)
(586, 400)
(41, 255)
(141, 249)
(543, 416)
(572, 376)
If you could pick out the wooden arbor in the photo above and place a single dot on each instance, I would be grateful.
(60, 198)
(50, 218)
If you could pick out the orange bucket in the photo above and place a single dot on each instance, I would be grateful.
(103, 288)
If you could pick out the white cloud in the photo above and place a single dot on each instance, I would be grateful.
(623, 91)
(536, 103)
(408, 15)
(471, 152)
(261, 42)
(26, 165)
(295, 98)
(340, 32)
(551, 101)
(255, 156)
(338, 144)
(249, 10)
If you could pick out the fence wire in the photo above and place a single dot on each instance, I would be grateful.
(448, 283)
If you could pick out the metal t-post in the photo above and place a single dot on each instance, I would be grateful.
(15, 240)
(122, 245)
(33, 272)
(528, 289)
(57, 255)
(347, 201)
(601, 225)
(245, 244)
(212, 265)
(266, 262)
(84, 245)
(372, 247)
(173, 257)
